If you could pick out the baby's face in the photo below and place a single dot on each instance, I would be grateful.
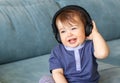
(72, 34)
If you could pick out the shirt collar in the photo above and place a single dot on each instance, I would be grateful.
(76, 48)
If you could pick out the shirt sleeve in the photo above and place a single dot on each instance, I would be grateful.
(54, 61)
(92, 48)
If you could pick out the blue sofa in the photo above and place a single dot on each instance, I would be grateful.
(26, 37)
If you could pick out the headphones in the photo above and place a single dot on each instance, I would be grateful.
(88, 26)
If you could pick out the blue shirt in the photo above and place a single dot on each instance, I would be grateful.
(77, 69)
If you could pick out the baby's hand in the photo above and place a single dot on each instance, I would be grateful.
(94, 31)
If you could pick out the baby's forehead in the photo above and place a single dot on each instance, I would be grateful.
(69, 22)
(66, 24)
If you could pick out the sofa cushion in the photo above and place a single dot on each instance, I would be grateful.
(105, 13)
(31, 70)
(102, 66)
(111, 75)
(25, 28)
(114, 57)
(25, 71)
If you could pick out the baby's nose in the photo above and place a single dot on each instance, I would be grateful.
(69, 33)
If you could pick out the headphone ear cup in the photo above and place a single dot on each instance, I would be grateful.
(56, 33)
(88, 29)
(58, 38)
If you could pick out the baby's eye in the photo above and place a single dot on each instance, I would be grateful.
(62, 31)
(74, 28)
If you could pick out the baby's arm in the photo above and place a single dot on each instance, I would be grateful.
(101, 49)
(58, 76)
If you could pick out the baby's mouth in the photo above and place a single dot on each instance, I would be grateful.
(72, 41)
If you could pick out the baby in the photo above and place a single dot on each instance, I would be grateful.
(73, 60)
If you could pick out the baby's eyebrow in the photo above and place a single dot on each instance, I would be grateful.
(60, 29)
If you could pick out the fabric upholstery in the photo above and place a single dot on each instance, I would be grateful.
(114, 57)
(25, 71)
(25, 29)
(111, 75)
(31, 70)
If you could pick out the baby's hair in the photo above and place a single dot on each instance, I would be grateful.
(68, 17)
